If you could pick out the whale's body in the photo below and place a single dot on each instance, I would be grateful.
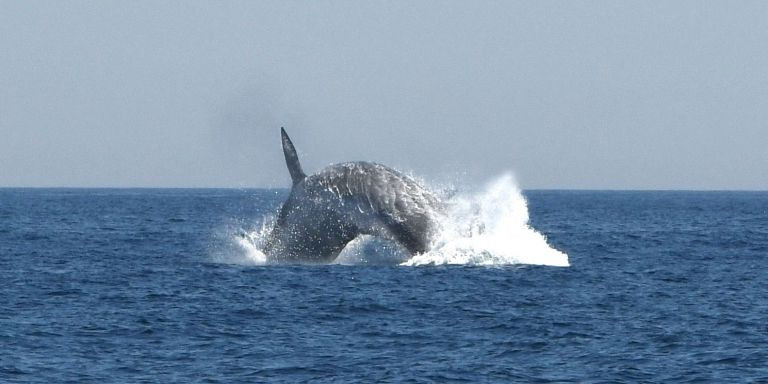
(327, 210)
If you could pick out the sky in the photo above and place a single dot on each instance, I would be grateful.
(564, 94)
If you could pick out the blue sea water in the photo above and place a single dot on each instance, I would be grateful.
(127, 285)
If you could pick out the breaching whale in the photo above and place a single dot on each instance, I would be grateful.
(328, 209)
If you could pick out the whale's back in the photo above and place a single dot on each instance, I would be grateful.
(373, 192)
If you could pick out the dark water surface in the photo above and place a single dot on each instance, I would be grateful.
(120, 286)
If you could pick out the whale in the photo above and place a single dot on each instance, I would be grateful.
(328, 209)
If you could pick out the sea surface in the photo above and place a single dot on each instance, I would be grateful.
(166, 285)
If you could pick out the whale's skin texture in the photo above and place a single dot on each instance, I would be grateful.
(328, 209)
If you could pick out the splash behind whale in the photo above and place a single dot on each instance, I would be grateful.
(327, 210)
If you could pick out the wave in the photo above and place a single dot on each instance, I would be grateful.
(486, 227)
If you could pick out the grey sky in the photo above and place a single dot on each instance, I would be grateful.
(566, 94)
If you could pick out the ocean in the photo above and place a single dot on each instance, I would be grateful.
(168, 285)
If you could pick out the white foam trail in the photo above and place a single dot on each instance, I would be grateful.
(490, 228)
(485, 228)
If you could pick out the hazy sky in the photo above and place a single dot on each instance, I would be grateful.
(565, 94)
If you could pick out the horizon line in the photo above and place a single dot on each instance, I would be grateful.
(561, 189)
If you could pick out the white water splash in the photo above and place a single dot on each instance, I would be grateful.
(251, 248)
(242, 247)
(489, 227)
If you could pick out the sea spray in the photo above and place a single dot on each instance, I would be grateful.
(487, 227)
(241, 244)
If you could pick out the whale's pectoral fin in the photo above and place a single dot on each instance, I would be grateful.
(291, 158)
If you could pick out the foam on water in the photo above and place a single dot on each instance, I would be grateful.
(489, 227)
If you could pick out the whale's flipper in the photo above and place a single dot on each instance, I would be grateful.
(291, 158)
